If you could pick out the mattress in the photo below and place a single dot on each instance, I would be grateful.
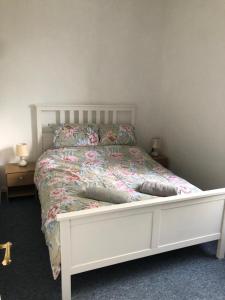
(62, 175)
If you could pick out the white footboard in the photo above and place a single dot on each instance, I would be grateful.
(109, 235)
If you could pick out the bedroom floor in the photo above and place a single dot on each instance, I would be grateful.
(191, 273)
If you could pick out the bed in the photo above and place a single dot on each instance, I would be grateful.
(72, 224)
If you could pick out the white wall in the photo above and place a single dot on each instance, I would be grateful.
(165, 55)
(80, 51)
(193, 89)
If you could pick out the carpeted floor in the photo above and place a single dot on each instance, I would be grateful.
(192, 273)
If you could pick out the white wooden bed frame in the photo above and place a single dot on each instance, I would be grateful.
(100, 237)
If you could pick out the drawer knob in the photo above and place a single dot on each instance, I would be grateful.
(20, 177)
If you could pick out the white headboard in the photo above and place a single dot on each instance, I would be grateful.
(48, 115)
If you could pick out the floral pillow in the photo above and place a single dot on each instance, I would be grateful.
(72, 135)
(117, 134)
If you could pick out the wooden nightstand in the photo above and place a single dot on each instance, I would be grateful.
(162, 160)
(2, 183)
(20, 180)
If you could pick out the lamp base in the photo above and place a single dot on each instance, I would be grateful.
(22, 162)
(155, 153)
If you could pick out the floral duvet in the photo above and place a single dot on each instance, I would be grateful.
(62, 174)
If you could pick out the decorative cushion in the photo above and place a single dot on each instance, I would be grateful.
(107, 195)
(72, 135)
(117, 134)
(159, 189)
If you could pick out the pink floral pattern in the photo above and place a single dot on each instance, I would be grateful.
(91, 155)
(114, 134)
(62, 174)
(76, 135)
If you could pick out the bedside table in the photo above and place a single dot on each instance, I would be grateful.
(2, 182)
(162, 160)
(20, 180)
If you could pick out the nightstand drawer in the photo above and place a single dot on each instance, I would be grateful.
(17, 179)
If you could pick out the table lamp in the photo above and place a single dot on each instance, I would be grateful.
(22, 152)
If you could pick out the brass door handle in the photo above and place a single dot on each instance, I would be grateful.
(7, 258)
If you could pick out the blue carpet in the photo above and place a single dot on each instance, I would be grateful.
(191, 273)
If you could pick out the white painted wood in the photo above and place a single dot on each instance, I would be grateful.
(89, 116)
(61, 116)
(44, 138)
(106, 117)
(113, 234)
(186, 222)
(98, 116)
(65, 240)
(156, 228)
(72, 117)
(39, 131)
(139, 254)
(81, 116)
(134, 228)
(114, 116)
(221, 243)
(133, 116)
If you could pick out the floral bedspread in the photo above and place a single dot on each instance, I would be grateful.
(62, 174)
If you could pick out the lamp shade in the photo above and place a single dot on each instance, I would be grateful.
(22, 149)
(156, 143)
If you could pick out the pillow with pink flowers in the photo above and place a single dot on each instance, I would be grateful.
(73, 135)
(117, 134)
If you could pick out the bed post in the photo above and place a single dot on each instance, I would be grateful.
(221, 243)
(65, 259)
(39, 132)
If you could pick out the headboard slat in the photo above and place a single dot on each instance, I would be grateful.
(114, 116)
(62, 116)
(89, 116)
(72, 117)
(81, 116)
(97, 116)
(106, 117)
